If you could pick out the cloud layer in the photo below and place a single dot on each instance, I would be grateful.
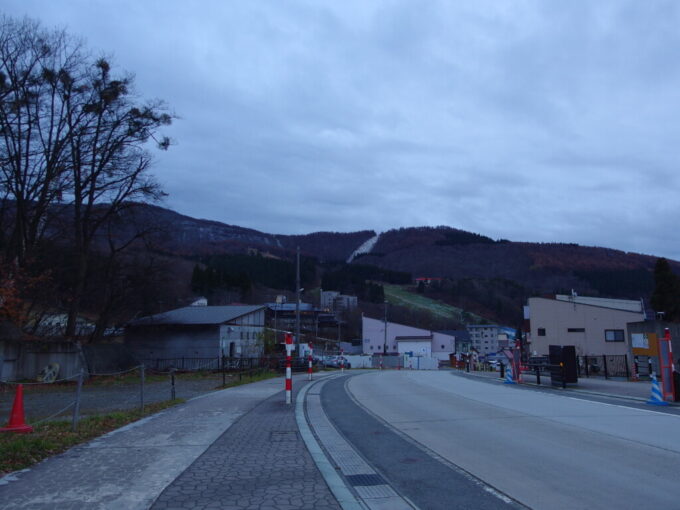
(526, 120)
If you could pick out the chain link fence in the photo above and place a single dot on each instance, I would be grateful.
(89, 394)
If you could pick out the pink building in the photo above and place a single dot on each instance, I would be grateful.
(402, 339)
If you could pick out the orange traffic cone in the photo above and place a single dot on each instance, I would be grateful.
(16, 418)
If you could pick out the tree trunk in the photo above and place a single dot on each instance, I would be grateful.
(77, 294)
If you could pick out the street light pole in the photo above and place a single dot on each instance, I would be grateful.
(297, 298)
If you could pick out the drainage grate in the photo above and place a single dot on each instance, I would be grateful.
(366, 480)
(286, 435)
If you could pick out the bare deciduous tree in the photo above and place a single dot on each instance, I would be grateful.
(74, 146)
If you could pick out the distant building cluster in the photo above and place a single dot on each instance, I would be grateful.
(489, 339)
(335, 302)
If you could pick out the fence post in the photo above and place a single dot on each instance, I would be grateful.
(172, 384)
(538, 375)
(604, 363)
(224, 374)
(141, 389)
(627, 369)
(587, 373)
(76, 406)
(564, 377)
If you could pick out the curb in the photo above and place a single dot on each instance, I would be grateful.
(345, 498)
(572, 390)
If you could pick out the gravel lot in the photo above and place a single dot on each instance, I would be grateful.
(42, 401)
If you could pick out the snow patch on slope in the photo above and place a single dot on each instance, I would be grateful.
(366, 247)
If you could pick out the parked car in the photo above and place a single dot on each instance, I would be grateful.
(496, 364)
(337, 362)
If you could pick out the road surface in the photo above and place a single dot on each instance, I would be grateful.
(526, 448)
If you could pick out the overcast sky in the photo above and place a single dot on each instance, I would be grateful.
(526, 120)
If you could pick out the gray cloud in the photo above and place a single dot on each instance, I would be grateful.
(527, 120)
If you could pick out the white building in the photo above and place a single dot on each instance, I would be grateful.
(402, 339)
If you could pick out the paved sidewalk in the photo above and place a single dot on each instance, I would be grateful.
(639, 390)
(260, 463)
(238, 435)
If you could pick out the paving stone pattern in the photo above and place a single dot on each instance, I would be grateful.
(260, 462)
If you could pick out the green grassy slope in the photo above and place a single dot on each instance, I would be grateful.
(399, 295)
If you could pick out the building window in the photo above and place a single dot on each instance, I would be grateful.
(442, 346)
(541, 331)
(371, 347)
(576, 330)
(613, 335)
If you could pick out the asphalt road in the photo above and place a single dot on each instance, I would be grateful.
(425, 480)
(545, 451)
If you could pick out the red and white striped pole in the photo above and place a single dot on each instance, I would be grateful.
(674, 390)
(309, 368)
(289, 374)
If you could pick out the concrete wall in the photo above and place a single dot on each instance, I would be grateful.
(359, 361)
(404, 362)
(557, 317)
(164, 342)
(108, 358)
(421, 363)
(25, 360)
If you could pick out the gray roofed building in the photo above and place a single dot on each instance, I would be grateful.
(197, 332)
(198, 315)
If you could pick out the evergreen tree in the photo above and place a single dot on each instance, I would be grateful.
(666, 296)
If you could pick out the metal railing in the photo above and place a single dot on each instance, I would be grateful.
(603, 366)
(222, 364)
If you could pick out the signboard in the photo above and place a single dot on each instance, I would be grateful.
(639, 341)
(644, 344)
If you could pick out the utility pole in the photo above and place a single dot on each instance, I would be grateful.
(297, 299)
(385, 342)
(316, 330)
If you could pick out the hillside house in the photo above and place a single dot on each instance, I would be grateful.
(403, 339)
(198, 332)
(595, 326)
